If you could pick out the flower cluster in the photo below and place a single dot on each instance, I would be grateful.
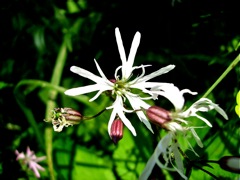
(126, 89)
(31, 160)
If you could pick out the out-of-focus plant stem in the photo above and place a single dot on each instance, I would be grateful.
(51, 104)
(230, 67)
(20, 97)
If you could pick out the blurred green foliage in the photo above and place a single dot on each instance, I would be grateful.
(200, 37)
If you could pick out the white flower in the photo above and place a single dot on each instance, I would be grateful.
(178, 127)
(123, 84)
(175, 96)
(31, 160)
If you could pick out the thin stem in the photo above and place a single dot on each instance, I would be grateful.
(209, 173)
(210, 161)
(87, 118)
(230, 67)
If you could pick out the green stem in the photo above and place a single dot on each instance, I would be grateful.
(44, 84)
(51, 104)
(230, 67)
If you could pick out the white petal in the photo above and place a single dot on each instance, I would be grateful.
(196, 137)
(143, 118)
(134, 47)
(183, 91)
(204, 120)
(102, 74)
(173, 126)
(164, 143)
(58, 128)
(155, 87)
(126, 122)
(120, 46)
(205, 105)
(148, 169)
(181, 120)
(86, 89)
(160, 148)
(178, 160)
(144, 84)
(173, 94)
(191, 147)
(112, 118)
(128, 68)
(116, 72)
(217, 108)
(86, 74)
(177, 156)
(137, 101)
(136, 104)
(119, 110)
(157, 73)
(134, 81)
(98, 94)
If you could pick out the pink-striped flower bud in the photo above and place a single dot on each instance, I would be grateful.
(158, 115)
(230, 163)
(116, 130)
(71, 115)
(65, 117)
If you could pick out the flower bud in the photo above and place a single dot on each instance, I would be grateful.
(113, 80)
(71, 115)
(158, 115)
(65, 117)
(116, 130)
(230, 163)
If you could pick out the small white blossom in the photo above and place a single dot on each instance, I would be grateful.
(179, 126)
(123, 84)
(31, 160)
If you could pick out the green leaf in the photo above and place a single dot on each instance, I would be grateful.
(128, 158)
(90, 165)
